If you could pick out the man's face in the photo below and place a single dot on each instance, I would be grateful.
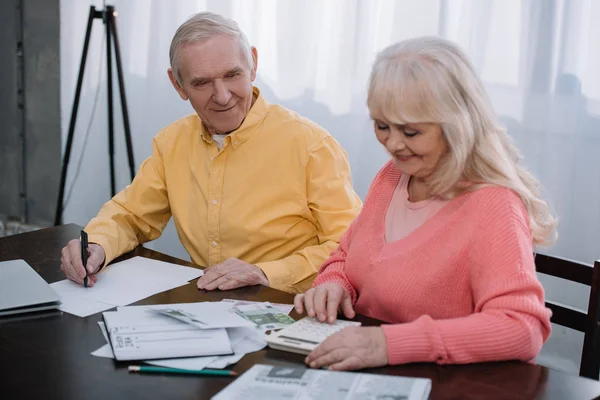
(215, 78)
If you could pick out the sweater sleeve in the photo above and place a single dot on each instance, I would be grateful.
(334, 269)
(509, 320)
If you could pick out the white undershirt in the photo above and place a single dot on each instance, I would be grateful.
(219, 139)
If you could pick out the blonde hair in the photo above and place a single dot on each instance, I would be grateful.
(203, 26)
(429, 79)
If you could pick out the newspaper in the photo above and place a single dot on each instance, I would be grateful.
(264, 315)
(262, 382)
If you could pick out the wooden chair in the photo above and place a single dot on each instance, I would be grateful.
(588, 323)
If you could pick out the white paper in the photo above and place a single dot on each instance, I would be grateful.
(160, 269)
(181, 363)
(79, 306)
(123, 283)
(148, 335)
(191, 363)
(103, 330)
(104, 351)
(243, 341)
(225, 361)
(286, 308)
(289, 382)
(213, 314)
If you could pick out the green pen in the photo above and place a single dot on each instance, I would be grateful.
(163, 370)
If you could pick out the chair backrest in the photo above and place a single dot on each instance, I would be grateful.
(588, 323)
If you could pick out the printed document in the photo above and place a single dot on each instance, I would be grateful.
(263, 382)
(145, 335)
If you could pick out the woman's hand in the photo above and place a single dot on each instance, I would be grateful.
(351, 348)
(324, 301)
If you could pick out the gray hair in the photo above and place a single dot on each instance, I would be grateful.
(203, 26)
(430, 79)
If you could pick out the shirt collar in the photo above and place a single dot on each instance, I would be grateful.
(253, 120)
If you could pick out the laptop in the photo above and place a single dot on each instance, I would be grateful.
(22, 290)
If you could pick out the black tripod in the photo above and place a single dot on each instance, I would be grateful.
(108, 17)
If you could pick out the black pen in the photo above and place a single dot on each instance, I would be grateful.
(84, 248)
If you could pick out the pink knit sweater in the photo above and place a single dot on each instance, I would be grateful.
(459, 289)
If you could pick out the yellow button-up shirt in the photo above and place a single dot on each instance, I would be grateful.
(278, 194)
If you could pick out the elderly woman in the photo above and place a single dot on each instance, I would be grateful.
(443, 250)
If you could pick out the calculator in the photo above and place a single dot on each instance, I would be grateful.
(305, 335)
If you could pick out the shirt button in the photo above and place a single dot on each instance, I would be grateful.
(212, 158)
(236, 142)
(214, 244)
(215, 202)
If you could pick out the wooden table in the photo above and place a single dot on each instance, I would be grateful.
(47, 355)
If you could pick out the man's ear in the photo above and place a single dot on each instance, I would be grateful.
(176, 85)
(255, 61)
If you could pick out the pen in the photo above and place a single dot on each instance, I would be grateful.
(163, 370)
(84, 248)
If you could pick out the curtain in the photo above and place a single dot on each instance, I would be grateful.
(539, 60)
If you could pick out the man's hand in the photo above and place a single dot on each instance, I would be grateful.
(231, 274)
(351, 348)
(72, 266)
(324, 301)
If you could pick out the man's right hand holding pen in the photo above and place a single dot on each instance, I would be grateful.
(71, 263)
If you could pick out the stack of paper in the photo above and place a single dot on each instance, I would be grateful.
(146, 334)
(244, 335)
(123, 283)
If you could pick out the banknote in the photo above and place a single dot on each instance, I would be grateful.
(264, 315)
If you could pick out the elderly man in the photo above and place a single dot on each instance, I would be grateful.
(258, 193)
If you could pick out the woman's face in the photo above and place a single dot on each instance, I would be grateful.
(416, 148)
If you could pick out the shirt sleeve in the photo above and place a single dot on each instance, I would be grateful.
(509, 322)
(135, 215)
(333, 204)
